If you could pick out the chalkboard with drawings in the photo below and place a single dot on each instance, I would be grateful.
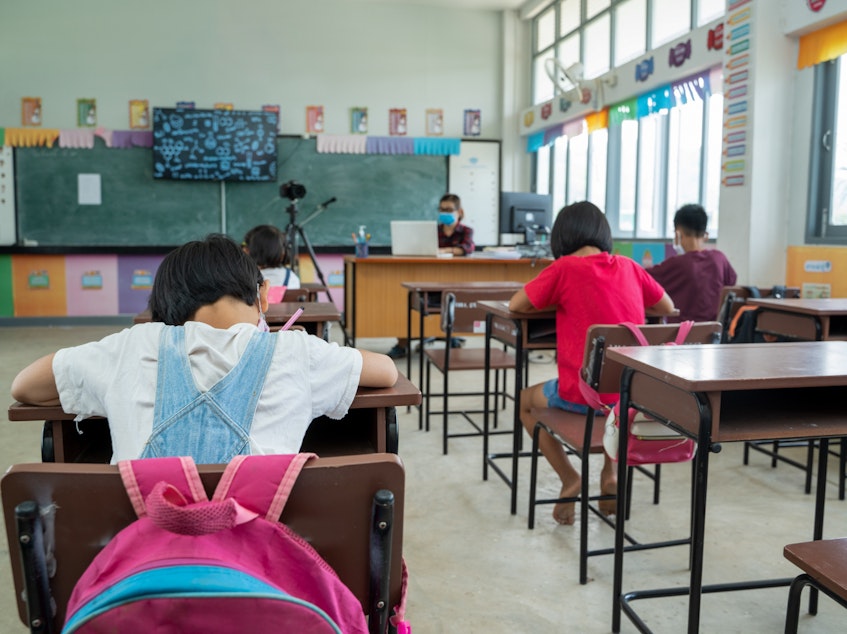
(137, 210)
(232, 145)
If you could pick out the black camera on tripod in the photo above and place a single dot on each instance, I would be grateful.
(292, 190)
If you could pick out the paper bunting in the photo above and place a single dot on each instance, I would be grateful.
(341, 144)
(20, 137)
(76, 138)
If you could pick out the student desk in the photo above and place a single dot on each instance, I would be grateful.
(374, 305)
(315, 318)
(522, 331)
(727, 393)
(369, 427)
(308, 292)
(802, 319)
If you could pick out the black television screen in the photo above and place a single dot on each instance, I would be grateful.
(520, 211)
(219, 145)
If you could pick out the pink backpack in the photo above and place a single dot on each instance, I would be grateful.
(226, 565)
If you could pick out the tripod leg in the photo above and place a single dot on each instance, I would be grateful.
(319, 273)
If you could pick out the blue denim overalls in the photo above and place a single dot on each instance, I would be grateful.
(211, 427)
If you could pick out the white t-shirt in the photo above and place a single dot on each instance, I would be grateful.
(116, 378)
(277, 277)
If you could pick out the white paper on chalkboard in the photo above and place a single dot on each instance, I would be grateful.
(474, 175)
(88, 186)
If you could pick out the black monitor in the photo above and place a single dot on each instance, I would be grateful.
(526, 213)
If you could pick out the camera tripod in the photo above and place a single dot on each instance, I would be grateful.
(293, 231)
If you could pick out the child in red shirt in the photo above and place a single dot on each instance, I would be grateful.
(587, 285)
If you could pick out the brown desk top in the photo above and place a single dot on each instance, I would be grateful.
(404, 392)
(278, 314)
(820, 306)
(711, 368)
(454, 261)
(501, 308)
(427, 287)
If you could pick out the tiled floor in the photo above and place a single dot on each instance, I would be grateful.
(476, 568)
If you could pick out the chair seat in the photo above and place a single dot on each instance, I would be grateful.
(824, 560)
(570, 427)
(471, 359)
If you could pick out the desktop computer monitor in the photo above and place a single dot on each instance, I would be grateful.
(526, 213)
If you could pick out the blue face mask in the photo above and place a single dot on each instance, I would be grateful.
(447, 218)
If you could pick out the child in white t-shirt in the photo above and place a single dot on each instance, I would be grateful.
(207, 307)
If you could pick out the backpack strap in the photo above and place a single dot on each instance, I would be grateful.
(682, 334)
(261, 484)
(140, 477)
(287, 277)
(636, 332)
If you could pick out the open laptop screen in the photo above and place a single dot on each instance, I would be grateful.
(414, 237)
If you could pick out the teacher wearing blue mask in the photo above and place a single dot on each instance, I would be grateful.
(453, 236)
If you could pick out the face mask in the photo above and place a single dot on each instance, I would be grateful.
(262, 325)
(678, 249)
(446, 218)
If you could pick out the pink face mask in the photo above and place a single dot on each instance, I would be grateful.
(262, 325)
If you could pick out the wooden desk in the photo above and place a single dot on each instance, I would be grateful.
(369, 427)
(727, 393)
(523, 331)
(315, 318)
(308, 292)
(374, 304)
(802, 319)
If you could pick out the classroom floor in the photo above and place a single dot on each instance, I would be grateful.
(475, 568)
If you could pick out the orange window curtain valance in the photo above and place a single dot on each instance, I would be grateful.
(822, 45)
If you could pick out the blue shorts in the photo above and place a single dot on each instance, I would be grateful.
(551, 391)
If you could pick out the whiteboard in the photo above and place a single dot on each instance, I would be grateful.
(474, 176)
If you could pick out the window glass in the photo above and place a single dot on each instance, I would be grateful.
(649, 176)
(628, 158)
(838, 215)
(568, 16)
(685, 145)
(708, 10)
(714, 142)
(597, 46)
(598, 154)
(560, 163)
(577, 168)
(542, 84)
(671, 18)
(569, 50)
(545, 30)
(593, 7)
(630, 30)
(542, 170)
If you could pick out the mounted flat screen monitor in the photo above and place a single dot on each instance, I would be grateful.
(216, 145)
(522, 211)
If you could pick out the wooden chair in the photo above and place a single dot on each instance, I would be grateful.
(582, 437)
(91, 506)
(460, 314)
(824, 563)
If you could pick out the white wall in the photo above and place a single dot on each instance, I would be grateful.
(335, 53)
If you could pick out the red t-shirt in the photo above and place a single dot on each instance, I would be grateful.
(588, 290)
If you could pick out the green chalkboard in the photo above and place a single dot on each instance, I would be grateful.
(371, 189)
(137, 210)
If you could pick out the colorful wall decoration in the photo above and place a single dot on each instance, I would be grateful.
(737, 92)
(819, 271)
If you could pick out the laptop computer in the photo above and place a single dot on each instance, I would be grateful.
(414, 237)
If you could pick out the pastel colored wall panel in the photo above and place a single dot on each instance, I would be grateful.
(818, 271)
(92, 284)
(135, 279)
(39, 285)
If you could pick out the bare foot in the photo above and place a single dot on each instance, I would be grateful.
(565, 512)
(608, 486)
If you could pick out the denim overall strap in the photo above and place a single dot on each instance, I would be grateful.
(214, 426)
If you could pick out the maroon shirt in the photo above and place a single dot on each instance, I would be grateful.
(694, 281)
(462, 236)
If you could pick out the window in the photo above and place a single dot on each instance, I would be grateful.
(560, 172)
(545, 30)
(630, 30)
(597, 157)
(827, 216)
(597, 47)
(685, 145)
(671, 18)
(542, 84)
(568, 16)
(577, 169)
(708, 10)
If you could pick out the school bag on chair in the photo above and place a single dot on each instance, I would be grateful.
(226, 565)
(648, 441)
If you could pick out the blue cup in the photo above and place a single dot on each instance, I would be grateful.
(361, 249)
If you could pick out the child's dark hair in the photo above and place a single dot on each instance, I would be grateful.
(266, 245)
(692, 219)
(199, 273)
(578, 225)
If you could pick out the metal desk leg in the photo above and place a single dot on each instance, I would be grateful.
(518, 429)
(820, 503)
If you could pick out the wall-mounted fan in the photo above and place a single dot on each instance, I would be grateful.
(569, 83)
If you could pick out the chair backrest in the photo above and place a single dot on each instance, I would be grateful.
(92, 506)
(734, 297)
(601, 337)
(460, 310)
(296, 295)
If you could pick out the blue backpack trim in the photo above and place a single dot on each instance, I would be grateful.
(185, 581)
